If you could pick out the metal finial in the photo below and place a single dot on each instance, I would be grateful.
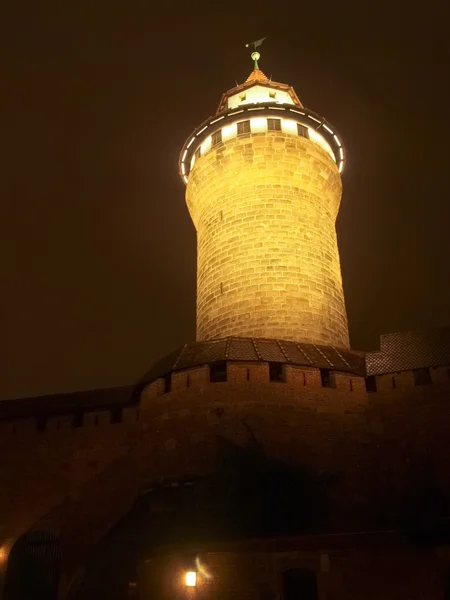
(255, 57)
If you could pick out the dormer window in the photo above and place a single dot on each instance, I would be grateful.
(272, 94)
(243, 97)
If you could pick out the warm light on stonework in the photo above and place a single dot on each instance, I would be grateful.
(264, 203)
(259, 93)
(259, 125)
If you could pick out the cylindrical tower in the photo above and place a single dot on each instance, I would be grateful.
(263, 189)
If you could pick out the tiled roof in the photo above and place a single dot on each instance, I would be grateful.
(410, 350)
(398, 352)
(258, 350)
(65, 403)
(257, 75)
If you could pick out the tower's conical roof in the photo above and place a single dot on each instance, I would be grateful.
(258, 78)
(257, 75)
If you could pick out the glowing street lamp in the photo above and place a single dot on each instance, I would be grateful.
(191, 578)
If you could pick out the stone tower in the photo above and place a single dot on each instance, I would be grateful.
(264, 186)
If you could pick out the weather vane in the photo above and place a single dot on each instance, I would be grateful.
(255, 55)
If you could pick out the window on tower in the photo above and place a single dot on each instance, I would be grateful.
(77, 419)
(272, 94)
(216, 138)
(218, 372)
(276, 372)
(116, 415)
(243, 127)
(371, 383)
(274, 124)
(422, 376)
(302, 131)
(327, 379)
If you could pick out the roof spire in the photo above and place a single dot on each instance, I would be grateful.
(256, 74)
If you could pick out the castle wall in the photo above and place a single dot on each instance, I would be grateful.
(358, 568)
(264, 206)
(45, 466)
(77, 481)
(279, 414)
(410, 425)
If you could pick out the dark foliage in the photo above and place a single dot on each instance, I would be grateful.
(423, 502)
(416, 503)
(251, 495)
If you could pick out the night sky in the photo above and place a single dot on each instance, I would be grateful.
(98, 250)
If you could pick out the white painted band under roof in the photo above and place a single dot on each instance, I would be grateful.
(338, 142)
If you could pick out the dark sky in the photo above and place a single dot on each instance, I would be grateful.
(98, 250)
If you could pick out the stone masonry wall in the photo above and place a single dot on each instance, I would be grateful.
(64, 477)
(42, 468)
(264, 206)
(342, 571)
(174, 435)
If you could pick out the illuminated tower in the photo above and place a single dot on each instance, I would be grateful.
(264, 186)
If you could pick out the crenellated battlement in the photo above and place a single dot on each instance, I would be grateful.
(198, 379)
(72, 423)
(422, 378)
(192, 383)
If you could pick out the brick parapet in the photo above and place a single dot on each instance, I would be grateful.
(390, 388)
(406, 380)
(195, 378)
(188, 382)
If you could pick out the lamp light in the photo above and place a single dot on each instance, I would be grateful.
(191, 578)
